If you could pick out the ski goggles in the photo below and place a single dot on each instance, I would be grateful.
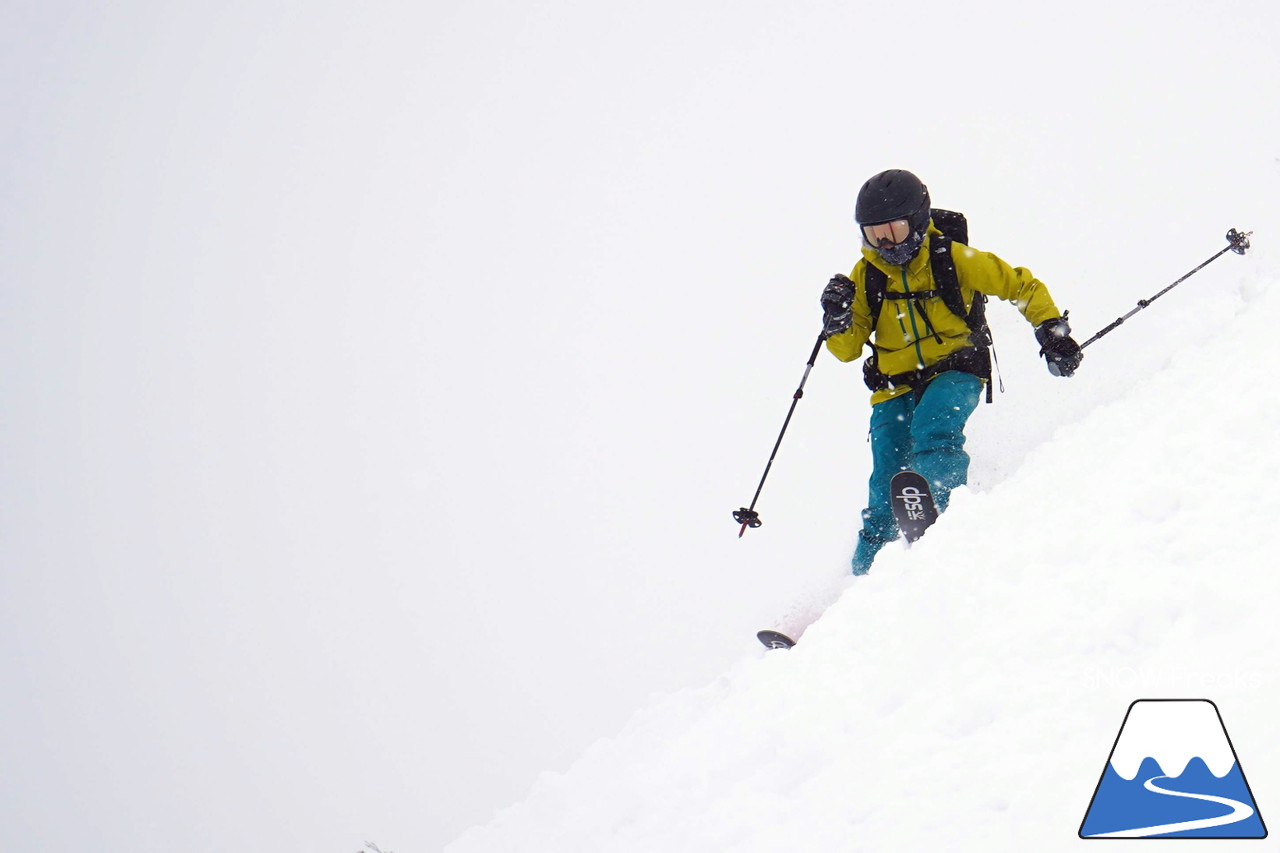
(893, 232)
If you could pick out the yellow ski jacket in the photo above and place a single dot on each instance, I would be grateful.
(902, 340)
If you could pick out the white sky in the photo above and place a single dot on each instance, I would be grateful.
(378, 381)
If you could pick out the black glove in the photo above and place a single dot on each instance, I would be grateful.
(1059, 349)
(837, 306)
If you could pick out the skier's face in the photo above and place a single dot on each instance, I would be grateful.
(887, 234)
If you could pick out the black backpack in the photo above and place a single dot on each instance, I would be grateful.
(975, 359)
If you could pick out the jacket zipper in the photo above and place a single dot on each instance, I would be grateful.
(915, 333)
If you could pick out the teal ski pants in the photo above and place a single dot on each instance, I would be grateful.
(924, 433)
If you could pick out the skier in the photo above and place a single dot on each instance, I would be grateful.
(928, 364)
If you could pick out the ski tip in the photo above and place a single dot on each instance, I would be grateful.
(775, 639)
(912, 502)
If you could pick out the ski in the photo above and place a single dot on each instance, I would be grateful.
(775, 639)
(913, 505)
(805, 609)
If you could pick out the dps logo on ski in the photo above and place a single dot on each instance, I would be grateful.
(913, 499)
(1173, 773)
(912, 502)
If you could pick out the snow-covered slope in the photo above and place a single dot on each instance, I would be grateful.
(966, 694)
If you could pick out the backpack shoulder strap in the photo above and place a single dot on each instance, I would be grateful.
(947, 281)
(945, 277)
(874, 281)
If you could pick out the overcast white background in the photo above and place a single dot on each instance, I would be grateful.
(378, 380)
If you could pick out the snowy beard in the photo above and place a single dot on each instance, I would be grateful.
(902, 253)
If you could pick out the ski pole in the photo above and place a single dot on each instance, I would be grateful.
(1237, 242)
(747, 515)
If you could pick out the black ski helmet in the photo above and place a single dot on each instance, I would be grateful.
(895, 194)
